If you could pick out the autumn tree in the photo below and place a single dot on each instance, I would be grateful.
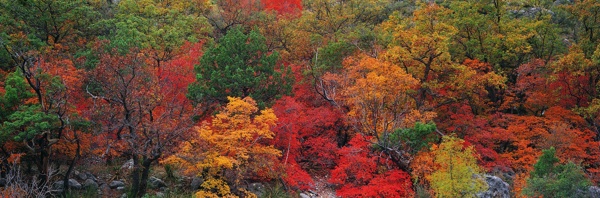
(420, 45)
(457, 173)
(331, 30)
(225, 15)
(138, 109)
(283, 7)
(240, 65)
(377, 95)
(359, 174)
(230, 148)
(308, 136)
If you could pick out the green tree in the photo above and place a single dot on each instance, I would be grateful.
(456, 174)
(418, 137)
(160, 27)
(549, 179)
(240, 66)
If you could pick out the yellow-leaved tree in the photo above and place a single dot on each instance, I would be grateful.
(229, 149)
(457, 173)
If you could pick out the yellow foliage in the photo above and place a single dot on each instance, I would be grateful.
(231, 142)
(457, 173)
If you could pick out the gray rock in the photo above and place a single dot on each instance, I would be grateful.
(196, 182)
(304, 195)
(81, 176)
(124, 195)
(257, 188)
(103, 188)
(91, 176)
(116, 184)
(156, 183)
(128, 164)
(90, 184)
(121, 188)
(164, 189)
(594, 191)
(562, 2)
(497, 188)
(160, 194)
(59, 185)
(74, 184)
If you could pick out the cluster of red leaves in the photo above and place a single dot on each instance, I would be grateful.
(358, 174)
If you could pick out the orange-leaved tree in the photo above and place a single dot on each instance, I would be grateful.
(230, 148)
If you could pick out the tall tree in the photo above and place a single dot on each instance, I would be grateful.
(240, 66)
(144, 116)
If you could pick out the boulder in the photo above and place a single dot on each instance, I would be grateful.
(497, 188)
(81, 176)
(156, 183)
(103, 189)
(128, 164)
(91, 176)
(59, 185)
(594, 191)
(304, 195)
(116, 184)
(196, 183)
(90, 184)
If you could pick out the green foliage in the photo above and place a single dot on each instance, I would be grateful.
(412, 139)
(46, 21)
(169, 170)
(28, 122)
(330, 57)
(240, 66)
(545, 164)
(157, 25)
(551, 180)
(15, 93)
(275, 191)
(419, 137)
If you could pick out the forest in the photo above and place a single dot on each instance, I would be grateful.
(300, 98)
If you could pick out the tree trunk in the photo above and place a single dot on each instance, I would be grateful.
(140, 175)
(135, 177)
(66, 186)
(145, 173)
(43, 153)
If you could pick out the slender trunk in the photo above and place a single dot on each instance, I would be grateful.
(43, 163)
(135, 177)
(145, 173)
(71, 166)
(140, 175)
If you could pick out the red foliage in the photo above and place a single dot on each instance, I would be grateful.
(359, 175)
(306, 135)
(283, 7)
(179, 72)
